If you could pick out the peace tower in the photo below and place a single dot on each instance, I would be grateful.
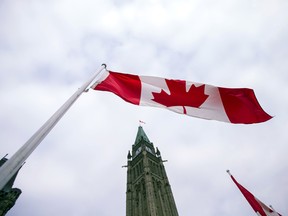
(148, 190)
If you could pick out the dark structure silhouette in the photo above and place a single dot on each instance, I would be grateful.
(8, 195)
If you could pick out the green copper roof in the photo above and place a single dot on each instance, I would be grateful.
(141, 135)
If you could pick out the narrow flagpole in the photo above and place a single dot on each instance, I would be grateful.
(10, 167)
(272, 208)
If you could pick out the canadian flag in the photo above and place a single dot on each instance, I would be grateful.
(234, 105)
(260, 208)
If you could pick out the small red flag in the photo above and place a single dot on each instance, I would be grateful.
(234, 105)
(259, 207)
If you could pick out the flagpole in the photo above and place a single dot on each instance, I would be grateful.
(272, 208)
(10, 167)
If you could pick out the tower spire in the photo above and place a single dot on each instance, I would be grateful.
(141, 135)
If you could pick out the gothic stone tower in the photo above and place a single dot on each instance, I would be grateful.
(148, 189)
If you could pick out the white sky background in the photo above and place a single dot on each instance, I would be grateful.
(49, 48)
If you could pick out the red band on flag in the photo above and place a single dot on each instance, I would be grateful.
(241, 105)
(250, 198)
(256, 204)
(126, 86)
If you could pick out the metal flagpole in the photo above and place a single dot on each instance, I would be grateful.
(10, 167)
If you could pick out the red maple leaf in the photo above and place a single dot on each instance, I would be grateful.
(178, 96)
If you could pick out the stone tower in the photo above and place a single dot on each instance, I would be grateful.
(8, 195)
(148, 190)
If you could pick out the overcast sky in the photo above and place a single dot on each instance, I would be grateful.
(49, 48)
